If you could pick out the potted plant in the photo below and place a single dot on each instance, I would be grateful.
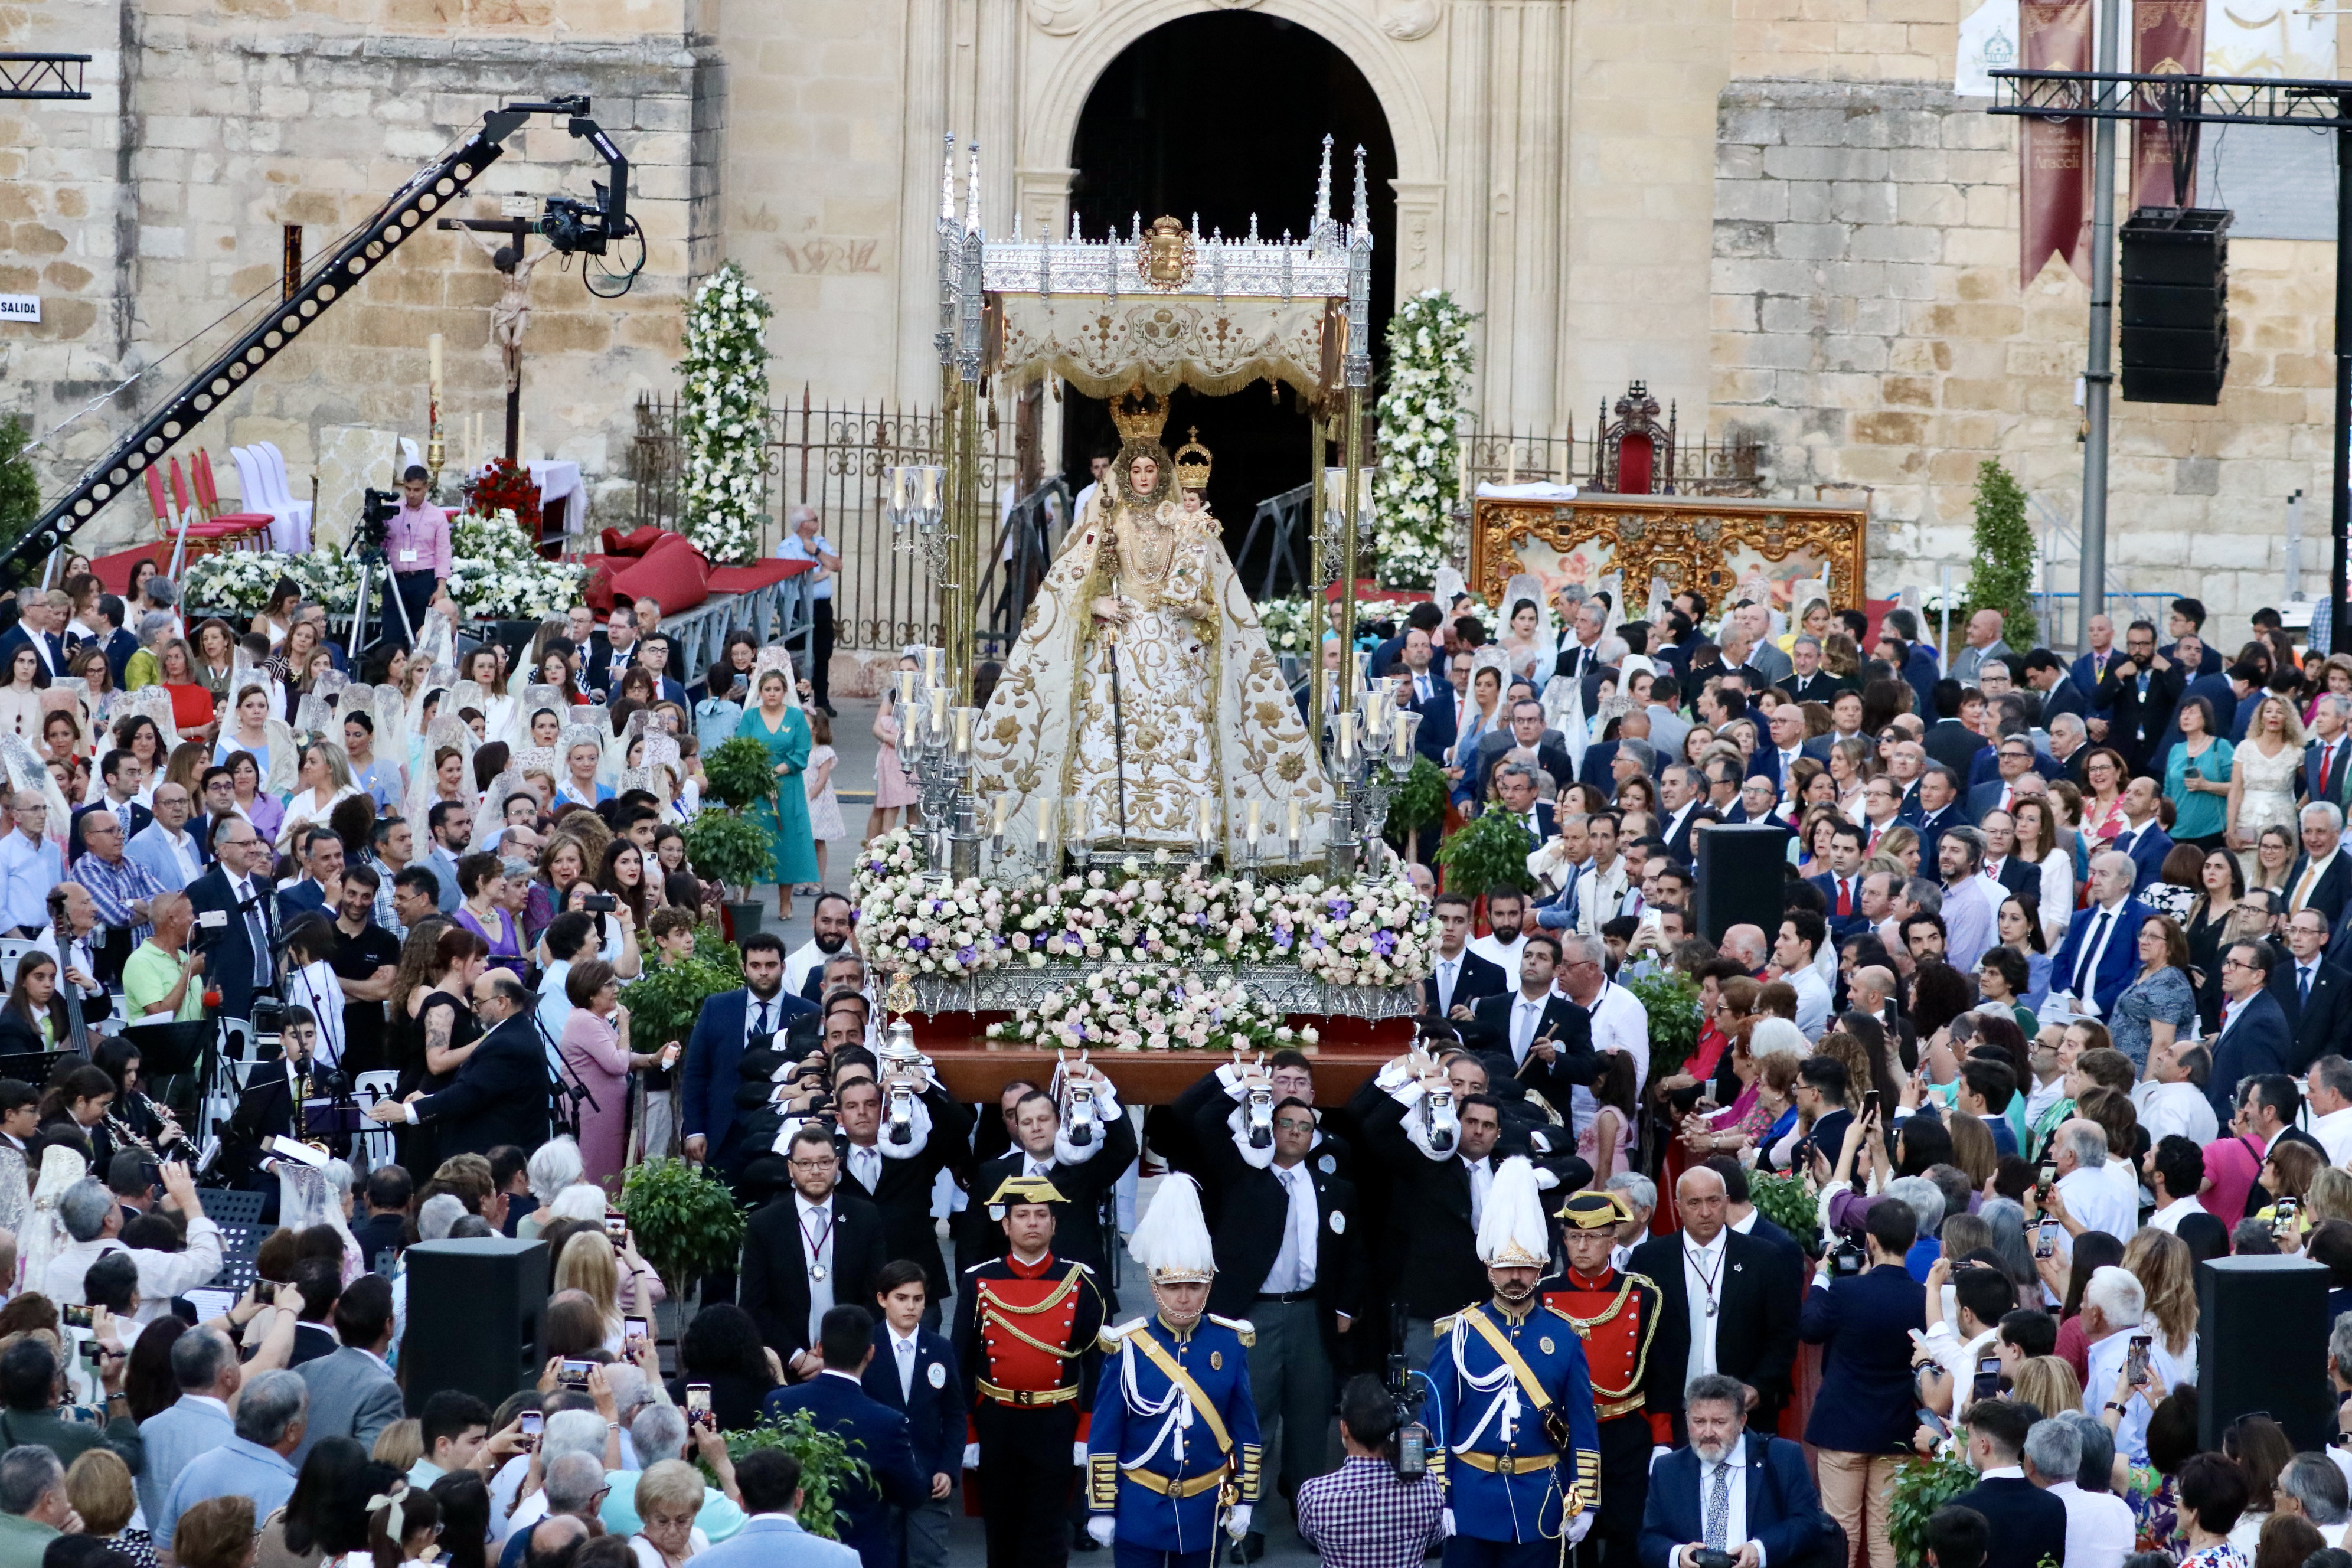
(733, 850)
(827, 1464)
(1669, 998)
(663, 1001)
(1418, 803)
(1488, 855)
(685, 1222)
(738, 773)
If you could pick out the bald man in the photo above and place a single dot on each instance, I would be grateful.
(1745, 945)
(2100, 952)
(1727, 1303)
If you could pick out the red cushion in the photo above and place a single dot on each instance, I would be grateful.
(636, 542)
(673, 573)
(752, 578)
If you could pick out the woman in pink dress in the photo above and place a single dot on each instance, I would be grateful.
(892, 789)
(596, 1050)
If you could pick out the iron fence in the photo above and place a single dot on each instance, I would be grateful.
(1730, 469)
(834, 459)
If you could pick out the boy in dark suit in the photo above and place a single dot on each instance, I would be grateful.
(866, 1508)
(2026, 1524)
(913, 1372)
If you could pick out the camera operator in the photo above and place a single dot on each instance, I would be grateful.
(1366, 1514)
(416, 544)
(1864, 1311)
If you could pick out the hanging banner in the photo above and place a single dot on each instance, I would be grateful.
(2055, 213)
(2168, 39)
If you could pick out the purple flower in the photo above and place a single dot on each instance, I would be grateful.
(918, 943)
(1383, 942)
(1316, 941)
(1339, 907)
(966, 954)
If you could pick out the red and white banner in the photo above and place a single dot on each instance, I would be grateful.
(2168, 39)
(2054, 184)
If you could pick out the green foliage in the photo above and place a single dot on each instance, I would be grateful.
(1788, 1203)
(20, 484)
(1488, 856)
(1921, 1487)
(663, 1001)
(2000, 571)
(685, 1222)
(728, 848)
(739, 772)
(1430, 361)
(1671, 998)
(1420, 799)
(827, 1464)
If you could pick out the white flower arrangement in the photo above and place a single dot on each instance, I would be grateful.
(238, 581)
(1283, 621)
(723, 417)
(1133, 1008)
(1429, 373)
(1375, 930)
(496, 574)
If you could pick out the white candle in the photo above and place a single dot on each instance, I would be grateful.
(433, 361)
(1347, 735)
(938, 711)
(1293, 819)
(1200, 816)
(1044, 822)
(906, 691)
(963, 730)
(930, 667)
(1253, 821)
(1004, 809)
(1399, 734)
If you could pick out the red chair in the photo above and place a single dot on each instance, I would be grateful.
(252, 525)
(202, 536)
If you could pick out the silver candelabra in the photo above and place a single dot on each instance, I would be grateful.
(1367, 752)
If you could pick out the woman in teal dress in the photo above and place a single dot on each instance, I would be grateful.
(784, 731)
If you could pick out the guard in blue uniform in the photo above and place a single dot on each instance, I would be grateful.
(1173, 1446)
(1511, 1403)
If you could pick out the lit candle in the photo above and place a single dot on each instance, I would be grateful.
(906, 690)
(938, 711)
(433, 361)
(930, 667)
(1293, 819)
(963, 731)
(1253, 823)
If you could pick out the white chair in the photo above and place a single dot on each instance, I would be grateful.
(254, 483)
(370, 1088)
(295, 536)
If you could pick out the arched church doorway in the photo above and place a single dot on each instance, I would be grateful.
(1223, 115)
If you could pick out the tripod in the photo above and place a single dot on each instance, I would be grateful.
(371, 563)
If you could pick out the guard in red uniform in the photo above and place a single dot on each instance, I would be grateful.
(1025, 1339)
(1616, 1316)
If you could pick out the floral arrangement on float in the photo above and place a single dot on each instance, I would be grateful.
(495, 573)
(499, 488)
(1375, 930)
(723, 417)
(1142, 1009)
(1283, 621)
(1430, 360)
(239, 580)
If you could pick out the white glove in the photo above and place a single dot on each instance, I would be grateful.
(1237, 1521)
(1445, 1522)
(1102, 1526)
(1656, 1454)
(1579, 1527)
(1078, 1454)
(971, 1456)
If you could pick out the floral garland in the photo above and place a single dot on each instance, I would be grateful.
(1378, 930)
(239, 580)
(1283, 621)
(1144, 1009)
(1429, 373)
(723, 417)
(496, 574)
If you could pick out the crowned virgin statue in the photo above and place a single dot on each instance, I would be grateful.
(1141, 708)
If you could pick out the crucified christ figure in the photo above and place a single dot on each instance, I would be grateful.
(512, 313)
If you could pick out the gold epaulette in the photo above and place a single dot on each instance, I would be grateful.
(1442, 1326)
(1242, 1327)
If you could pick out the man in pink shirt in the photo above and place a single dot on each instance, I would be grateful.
(417, 542)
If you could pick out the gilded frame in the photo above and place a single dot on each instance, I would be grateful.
(1689, 539)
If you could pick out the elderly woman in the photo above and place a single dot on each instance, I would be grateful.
(595, 1048)
(555, 1166)
(669, 1496)
(145, 667)
(1767, 1108)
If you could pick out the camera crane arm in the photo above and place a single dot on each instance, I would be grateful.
(431, 189)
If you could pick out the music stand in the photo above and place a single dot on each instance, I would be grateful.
(168, 1049)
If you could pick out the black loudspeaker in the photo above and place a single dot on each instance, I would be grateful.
(1742, 868)
(2261, 1346)
(474, 1311)
(2176, 305)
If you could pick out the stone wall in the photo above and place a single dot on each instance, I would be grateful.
(156, 212)
(1869, 324)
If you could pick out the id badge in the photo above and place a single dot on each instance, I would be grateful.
(408, 558)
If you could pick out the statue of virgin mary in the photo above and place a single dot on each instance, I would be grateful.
(1142, 694)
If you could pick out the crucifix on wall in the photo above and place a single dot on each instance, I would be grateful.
(503, 241)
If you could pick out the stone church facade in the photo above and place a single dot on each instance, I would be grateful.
(1776, 212)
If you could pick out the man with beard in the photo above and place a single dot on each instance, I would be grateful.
(1744, 1494)
(831, 922)
(1615, 1314)
(729, 1024)
(1510, 1407)
(1173, 1448)
(366, 957)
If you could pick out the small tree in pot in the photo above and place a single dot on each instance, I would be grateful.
(722, 844)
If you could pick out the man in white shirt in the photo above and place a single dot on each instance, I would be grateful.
(2328, 1090)
(1981, 1295)
(1620, 1022)
(93, 1219)
(1505, 913)
(2115, 1313)
(2049, 1068)
(1600, 891)
(29, 866)
(1794, 955)
(2175, 1168)
(2090, 1195)
(2099, 1525)
(2171, 1098)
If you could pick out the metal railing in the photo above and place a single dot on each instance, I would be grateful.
(1701, 469)
(834, 459)
(1026, 539)
(1282, 522)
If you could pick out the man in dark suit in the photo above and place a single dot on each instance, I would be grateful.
(1840, 885)
(836, 1398)
(117, 643)
(728, 1023)
(2143, 837)
(1938, 808)
(1751, 1288)
(501, 1092)
(2027, 1525)
(1807, 681)
(1437, 694)
(2315, 994)
(2101, 951)
(2140, 691)
(2255, 1040)
(1682, 797)
(812, 1248)
(2321, 877)
(265, 1110)
(37, 629)
(1683, 1516)
(1460, 976)
(121, 771)
(1527, 734)
(914, 1374)
(2013, 759)
(2090, 669)
(1290, 1260)
(611, 653)
(2328, 754)
(1548, 1038)
(235, 926)
(2046, 673)
(1865, 1323)
(1516, 795)
(321, 852)
(1948, 740)
(1082, 1174)
(898, 1178)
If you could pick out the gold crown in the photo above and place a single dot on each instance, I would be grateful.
(1140, 414)
(1193, 462)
